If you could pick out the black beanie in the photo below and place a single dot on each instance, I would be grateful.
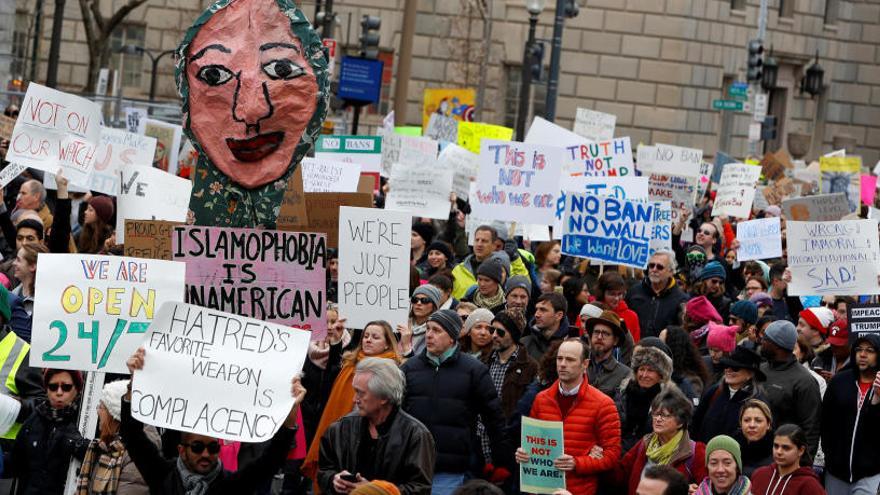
(425, 230)
(443, 248)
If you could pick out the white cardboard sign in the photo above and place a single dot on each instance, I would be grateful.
(147, 193)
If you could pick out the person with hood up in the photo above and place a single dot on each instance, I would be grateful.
(851, 422)
(650, 375)
(787, 475)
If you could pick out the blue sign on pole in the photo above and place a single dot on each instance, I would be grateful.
(360, 79)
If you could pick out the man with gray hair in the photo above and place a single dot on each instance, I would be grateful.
(379, 441)
(32, 196)
(657, 299)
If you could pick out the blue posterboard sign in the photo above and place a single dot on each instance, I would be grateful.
(360, 79)
(543, 441)
(611, 230)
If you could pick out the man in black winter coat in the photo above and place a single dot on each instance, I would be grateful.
(851, 422)
(657, 299)
(198, 468)
(446, 390)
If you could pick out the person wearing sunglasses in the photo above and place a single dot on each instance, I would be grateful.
(49, 437)
(656, 300)
(198, 469)
(424, 302)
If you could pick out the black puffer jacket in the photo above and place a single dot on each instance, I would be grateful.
(718, 412)
(43, 449)
(849, 434)
(404, 453)
(655, 311)
(447, 399)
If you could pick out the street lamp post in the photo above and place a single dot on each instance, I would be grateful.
(534, 8)
(154, 60)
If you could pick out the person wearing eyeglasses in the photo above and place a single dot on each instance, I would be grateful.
(424, 302)
(851, 422)
(198, 469)
(711, 284)
(657, 299)
(49, 437)
(605, 332)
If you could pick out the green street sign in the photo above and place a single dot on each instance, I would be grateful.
(736, 106)
(738, 91)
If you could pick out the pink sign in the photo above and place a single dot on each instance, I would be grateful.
(869, 189)
(269, 275)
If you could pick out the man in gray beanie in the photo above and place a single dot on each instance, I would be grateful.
(517, 292)
(446, 389)
(792, 393)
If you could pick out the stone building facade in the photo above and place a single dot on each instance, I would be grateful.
(656, 64)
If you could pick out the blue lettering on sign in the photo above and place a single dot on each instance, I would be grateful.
(608, 229)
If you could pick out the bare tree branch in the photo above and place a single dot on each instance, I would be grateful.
(120, 15)
(87, 23)
(96, 12)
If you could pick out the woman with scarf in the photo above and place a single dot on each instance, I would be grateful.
(49, 437)
(377, 341)
(724, 465)
(107, 468)
(667, 444)
(489, 291)
(424, 302)
(651, 371)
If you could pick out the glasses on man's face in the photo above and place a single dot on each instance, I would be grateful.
(65, 387)
(603, 333)
(829, 305)
(713, 281)
(656, 266)
(866, 350)
(499, 331)
(199, 446)
(420, 300)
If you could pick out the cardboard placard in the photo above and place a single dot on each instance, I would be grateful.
(7, 124)
(736, 191)
(759, 239)
(842, 174)
(217, 374)
(593, 125)
(677, 189)
(819, 208)
(862, 319)
(608, 229)
(471, 134)
(324, 213)
(321, 175)
(582, 156)
(150, 239)
(421, 189)
(147, 193)
(168, 138)
(543, 441)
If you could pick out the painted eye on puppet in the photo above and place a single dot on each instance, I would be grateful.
(283, 69)
(214, 75)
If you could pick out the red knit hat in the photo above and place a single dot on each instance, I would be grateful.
(75, 376)
(700, 311)
(819, 318)
(721, 337)
(103, 207)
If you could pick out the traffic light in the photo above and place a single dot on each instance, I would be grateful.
(536, 60)
(370, 36)
(755, 61)
(572, 8)
(768, 128)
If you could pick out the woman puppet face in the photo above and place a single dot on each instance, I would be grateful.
(252, 91)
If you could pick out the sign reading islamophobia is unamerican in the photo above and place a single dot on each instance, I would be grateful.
(607, 229)
(217, 374)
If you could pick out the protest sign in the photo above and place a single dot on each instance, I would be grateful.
(736, 191)
(293, 204)
(838, 258)
(374, 250)
(607, 229)
(443, 109)
(264, 274)
(668, 159)
(387, 124)
(873, 213)
(721, 159)
(116, 149)
(136, 120)
(406, 149)
(408, 130)
(705, 178)
(149, 239)
(661, 227)
(629, 187)
(168, 137)
(862, 319)
(421, 189)
(366, 151)
(778, 191)
(321, 175)
(594, 126)
(56, 129)
(841, 174)
(7, 125)
(323, 215)
(583, 157)
(147, 193)
(677, 189)
(759, 239)
(471, 134)
(819, 208)
(772, 167)
(217, 374)
(465, 166)
(9, 172)
(543, 442)
(92, 311)
(518, 181)
(869, 189)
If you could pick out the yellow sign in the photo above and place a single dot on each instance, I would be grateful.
(470, 134)
(448, 103)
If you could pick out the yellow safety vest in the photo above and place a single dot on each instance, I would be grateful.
(12, 352)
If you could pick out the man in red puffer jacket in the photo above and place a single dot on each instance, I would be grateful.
(590, 420)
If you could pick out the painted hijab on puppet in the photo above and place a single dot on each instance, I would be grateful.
(253, 78)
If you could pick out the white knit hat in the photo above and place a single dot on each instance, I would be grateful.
(111, 397)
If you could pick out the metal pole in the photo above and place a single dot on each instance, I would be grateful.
(754, 146)
(317, 11)
(55, 46)
(155, 61)
(329, 17)
(555, 56)
(485, 60)
(356, 120)
(525, 86)
(38, 32)
(404, 62)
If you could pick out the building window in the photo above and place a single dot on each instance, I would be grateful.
(132, 65)
(20, 44)
(786, 8)
(832, 8)
(737, 4)
(513, 74)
